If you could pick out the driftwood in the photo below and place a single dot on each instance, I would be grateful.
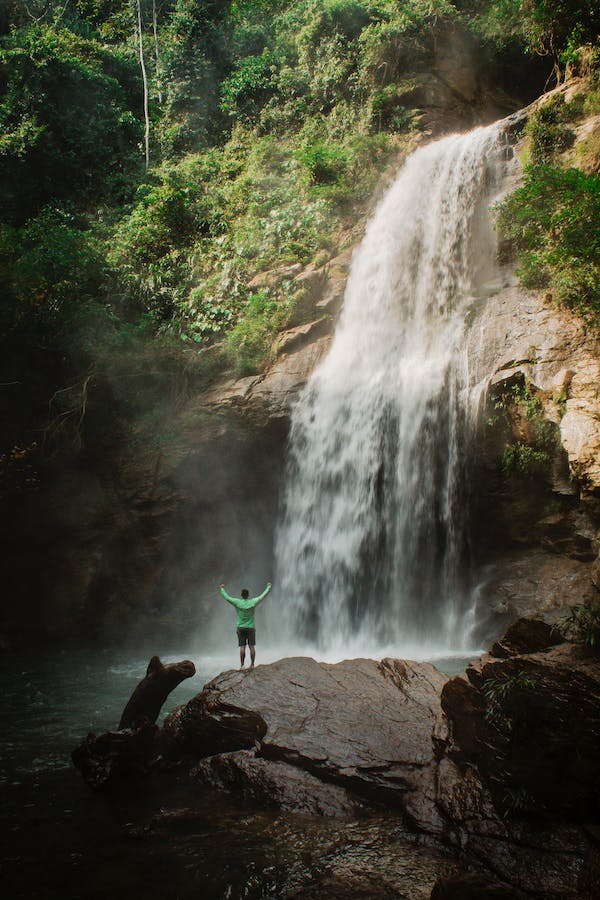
(147, 699)
(108, 759)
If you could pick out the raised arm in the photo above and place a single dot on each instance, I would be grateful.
(262, 596)
(226, 595)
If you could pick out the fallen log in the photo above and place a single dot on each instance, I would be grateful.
(109, 759)
(146, 702)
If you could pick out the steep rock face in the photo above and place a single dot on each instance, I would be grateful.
(523, 332)
(100, 526)
(299, 349)
(531, 717)
(537, 536)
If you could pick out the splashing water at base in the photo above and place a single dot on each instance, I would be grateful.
(373, 546)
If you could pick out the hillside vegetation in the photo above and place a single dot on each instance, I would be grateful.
(148, 174)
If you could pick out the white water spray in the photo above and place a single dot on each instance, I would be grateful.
(372, 550)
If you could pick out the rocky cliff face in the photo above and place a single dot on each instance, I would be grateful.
(537, 530)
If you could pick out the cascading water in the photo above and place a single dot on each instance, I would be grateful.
(372, 550)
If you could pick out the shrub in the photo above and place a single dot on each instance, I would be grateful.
(48, 263)
(532, 458)
(583, 624)
(549, 136)
(324, 162)
(523, 459)
(64, 114)
(552, 222)
(245, 91)
(249, 342)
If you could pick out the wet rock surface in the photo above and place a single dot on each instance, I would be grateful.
(520, 780)
(537, 733)
(369, 727)
(526, 636)
(473, 886)
(501, 763)
(285, 786)
(529, 583)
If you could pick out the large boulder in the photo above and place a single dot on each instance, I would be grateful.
(370, 727)
(519, 779)
(531, 725)
(279, 784)
(527, 636)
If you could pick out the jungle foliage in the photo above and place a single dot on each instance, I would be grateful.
(269, 124)
(552, 220)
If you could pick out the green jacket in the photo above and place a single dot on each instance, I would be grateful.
(245, 608)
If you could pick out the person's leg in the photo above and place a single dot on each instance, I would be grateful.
(252, 655)
(242, 645)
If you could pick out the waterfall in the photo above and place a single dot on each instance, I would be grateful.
(372, 549)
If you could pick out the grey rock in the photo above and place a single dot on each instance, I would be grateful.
(520, 331)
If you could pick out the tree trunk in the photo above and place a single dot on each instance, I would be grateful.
(156, 52)
(145, 81)
(110, 759)
(147, 699)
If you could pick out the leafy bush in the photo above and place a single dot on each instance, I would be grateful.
(245, 91)
(549, 136)
(249, 342)
(583, 624)
(324, 162)
(64, 115)
(522, 458)
(552, 221)
(47, 264)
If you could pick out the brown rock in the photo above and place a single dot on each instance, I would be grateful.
(465, 707)
(285, 786)
(472, 886)
(538, 741)
(530, 584)
(526, 636)
(520, 332)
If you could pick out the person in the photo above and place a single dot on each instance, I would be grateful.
(246, 632)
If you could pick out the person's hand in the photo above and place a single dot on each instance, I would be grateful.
(222, 585)
(269, 584)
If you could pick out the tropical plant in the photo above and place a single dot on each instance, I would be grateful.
(582, 623)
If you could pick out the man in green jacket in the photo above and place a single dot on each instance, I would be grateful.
(246, 631)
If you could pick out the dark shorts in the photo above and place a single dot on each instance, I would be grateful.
(246, 636)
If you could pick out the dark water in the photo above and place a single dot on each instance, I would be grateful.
(166, 839)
